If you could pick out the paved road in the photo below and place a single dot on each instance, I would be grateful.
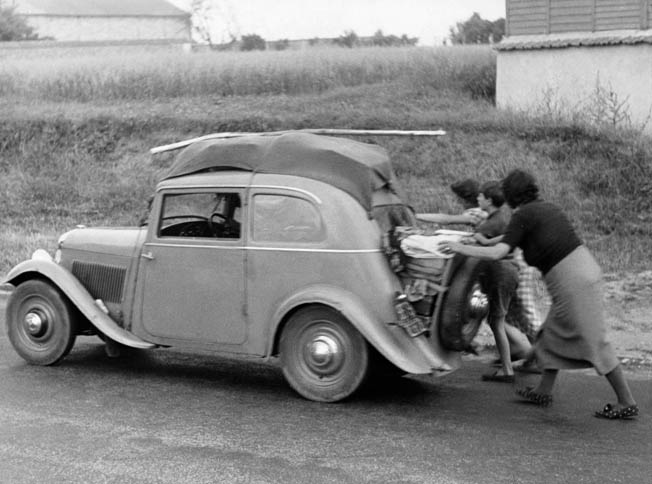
(169, 417)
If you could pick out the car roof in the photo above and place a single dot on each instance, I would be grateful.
(356, 168)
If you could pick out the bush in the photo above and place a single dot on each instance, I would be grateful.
(13, 27)
(253, 42)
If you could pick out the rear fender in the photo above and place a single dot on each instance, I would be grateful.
(42, 265)
(412, 355)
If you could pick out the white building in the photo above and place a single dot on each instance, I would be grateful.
(106, 20)
(571, 53)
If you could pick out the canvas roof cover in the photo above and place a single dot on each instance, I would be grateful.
(356, 168)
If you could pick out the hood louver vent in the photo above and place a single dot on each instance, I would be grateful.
(102, 281)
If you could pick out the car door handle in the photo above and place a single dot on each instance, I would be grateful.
(147, 255)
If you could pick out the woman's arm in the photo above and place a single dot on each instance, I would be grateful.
(493, 252)
(445, 219)
(482, 240)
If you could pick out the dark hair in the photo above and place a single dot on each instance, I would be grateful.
(467, 190)
(492, 191)
(519, 187)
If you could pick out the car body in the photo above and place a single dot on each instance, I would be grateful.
(257, 246)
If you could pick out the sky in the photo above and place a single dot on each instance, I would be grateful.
(429, 20)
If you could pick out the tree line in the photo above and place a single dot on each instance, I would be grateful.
(474, 30)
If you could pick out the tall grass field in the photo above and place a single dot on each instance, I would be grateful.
(76, 127)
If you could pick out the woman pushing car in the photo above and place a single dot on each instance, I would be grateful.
(573, 335)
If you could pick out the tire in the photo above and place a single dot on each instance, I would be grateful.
(40, 323)
(464, 307)
(323, 357)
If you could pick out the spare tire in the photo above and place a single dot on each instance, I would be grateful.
(465, 305)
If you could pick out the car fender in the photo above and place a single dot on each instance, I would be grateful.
(412, 355)
(42, 264)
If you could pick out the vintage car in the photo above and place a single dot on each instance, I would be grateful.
(275, 247)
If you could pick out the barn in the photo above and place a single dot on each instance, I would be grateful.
(587, 57)
(106, 20)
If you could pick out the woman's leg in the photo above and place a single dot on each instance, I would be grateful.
(547, 382)
(616, 378)
(497, 326)
(519, 345)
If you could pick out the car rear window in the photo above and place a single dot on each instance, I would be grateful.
(281, 218)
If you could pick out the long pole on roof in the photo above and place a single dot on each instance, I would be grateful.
(324, 131)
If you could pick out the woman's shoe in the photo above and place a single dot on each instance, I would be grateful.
(541, 399)
(612, 413)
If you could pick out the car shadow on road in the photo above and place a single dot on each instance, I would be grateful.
(89, 360)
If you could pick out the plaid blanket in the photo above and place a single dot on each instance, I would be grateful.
(530, 307)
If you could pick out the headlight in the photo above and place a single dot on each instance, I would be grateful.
(57, 256)
(62, 239)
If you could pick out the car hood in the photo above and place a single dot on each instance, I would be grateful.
(103, 240)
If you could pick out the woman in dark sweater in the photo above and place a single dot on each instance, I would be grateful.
(573, 335)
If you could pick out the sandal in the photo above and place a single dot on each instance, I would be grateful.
(541, 399)
(495, 376)
(612, 413)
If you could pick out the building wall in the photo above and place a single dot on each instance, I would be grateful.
(567, 78)
(111, 28)
(538, 17)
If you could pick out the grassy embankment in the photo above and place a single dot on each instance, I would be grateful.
(75, 130)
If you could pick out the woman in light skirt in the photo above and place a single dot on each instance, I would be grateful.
(573, 335)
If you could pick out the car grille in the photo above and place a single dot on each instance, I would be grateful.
(102, 281)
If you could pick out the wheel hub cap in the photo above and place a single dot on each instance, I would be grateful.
(324, 355)
(478, 303)
(35, 323)
(323, 350)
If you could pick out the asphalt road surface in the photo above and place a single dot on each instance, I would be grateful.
(169, 417)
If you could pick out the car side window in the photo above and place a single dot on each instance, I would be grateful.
(282, 218)
(204, 215)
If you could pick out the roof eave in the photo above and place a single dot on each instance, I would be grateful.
(575, 39)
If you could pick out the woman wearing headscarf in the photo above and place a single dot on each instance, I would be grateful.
(573, 335)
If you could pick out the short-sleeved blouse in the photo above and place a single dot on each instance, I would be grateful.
(495, 223)
(544, 232)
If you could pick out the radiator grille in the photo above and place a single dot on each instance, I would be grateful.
(102, 281)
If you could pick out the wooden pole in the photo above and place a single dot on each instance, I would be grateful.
(323, 131)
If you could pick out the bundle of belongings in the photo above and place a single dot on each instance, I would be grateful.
(422, 264)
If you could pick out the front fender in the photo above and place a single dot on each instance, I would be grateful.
(43, 265)
(412, 355)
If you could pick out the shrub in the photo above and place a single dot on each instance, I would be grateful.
(253, 42)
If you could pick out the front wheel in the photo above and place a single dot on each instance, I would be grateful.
(324, 358)
(40, 323)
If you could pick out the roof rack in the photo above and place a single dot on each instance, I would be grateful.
(322, 131)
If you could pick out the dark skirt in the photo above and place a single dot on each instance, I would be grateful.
(573, 335)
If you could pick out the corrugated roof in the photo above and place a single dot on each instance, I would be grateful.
(130, 8)
(575, 39)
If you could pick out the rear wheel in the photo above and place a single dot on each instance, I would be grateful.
(465, 306)
(40, 323)
(324, 358)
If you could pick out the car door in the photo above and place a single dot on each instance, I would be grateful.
(192, 269)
